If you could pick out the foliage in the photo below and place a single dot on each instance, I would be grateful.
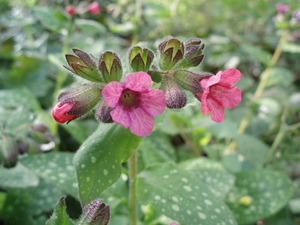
(190, 169)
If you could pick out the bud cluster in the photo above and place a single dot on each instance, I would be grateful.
(120, 102)
(35, 140)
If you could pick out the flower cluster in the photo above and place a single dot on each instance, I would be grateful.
(92, 8)
(133, 103)
(285, 18)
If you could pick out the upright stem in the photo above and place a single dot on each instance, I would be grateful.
(132, 189)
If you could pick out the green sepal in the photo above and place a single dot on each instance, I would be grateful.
(110, 66)
(60, 216)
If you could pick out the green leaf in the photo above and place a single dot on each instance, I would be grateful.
(99, 159)
(17, 177)
(51, 18)
(156, 148)
(182, 196)
(55, 167)
(265, 192)
(291, 48)
(90, 27)
(60, 216)
(29, 204)
(279, 77)
(257, 53)
(250, 153)
(212, 173)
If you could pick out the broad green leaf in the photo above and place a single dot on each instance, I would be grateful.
(156, 148)
(182, 196)
(257, 53)
(90, 27)
(3, 196)
(259, 194)
(99, 159)
(51, 18)
(17, 177)
(29, 204)
(212, 173)
(291, 48)
(279, 77)
(60, 216)
(55, 167)
(250, 153)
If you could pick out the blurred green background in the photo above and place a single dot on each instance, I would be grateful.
(251, 36)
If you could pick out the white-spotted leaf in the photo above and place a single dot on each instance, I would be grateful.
(55, 167)
(182, 196)
(259, 194)
(99, 159)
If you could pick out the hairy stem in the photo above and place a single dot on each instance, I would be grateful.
(132, 189)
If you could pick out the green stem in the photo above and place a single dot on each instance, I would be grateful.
(132, 189)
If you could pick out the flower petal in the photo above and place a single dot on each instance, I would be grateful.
(230, 77)
(202, 97)
(206, 82)
(142, 123)
(121, 116)
(216, 110)
(140, 82)
(153, 102)
(228, 97)
(112, 93)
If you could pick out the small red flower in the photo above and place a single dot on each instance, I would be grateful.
(94, 8)
(218, 93)
(60, 112)
(70, 10)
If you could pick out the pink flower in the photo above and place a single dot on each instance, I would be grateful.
(70, 10)
(218, 93)
(281, 8)
(174, 223)
(60, 112)
(94, 8)
(134, 105)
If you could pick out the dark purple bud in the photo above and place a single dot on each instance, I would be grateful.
(140, 59)
(95, 213)
(171, 52)
(110, 66)
(175, 97)
(103, 112)
(9, 150)
(39, 127)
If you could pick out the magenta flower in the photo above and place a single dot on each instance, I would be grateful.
(94, 8)
(70, 10)
(218, 93)
(281, 8)
(133, 103)
(174, 223)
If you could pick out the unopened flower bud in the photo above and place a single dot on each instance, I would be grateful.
(189, 80)
(23, 147)
(39, 127)
(171, 52)
(94, 8)
(9, 150)
(140, 59)
(84, 66)
(33, 147)
(110, 66)
(95, 213)
(193, 54)
(175, 97)
(103, 112)
(76, 102)
(70, 10)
